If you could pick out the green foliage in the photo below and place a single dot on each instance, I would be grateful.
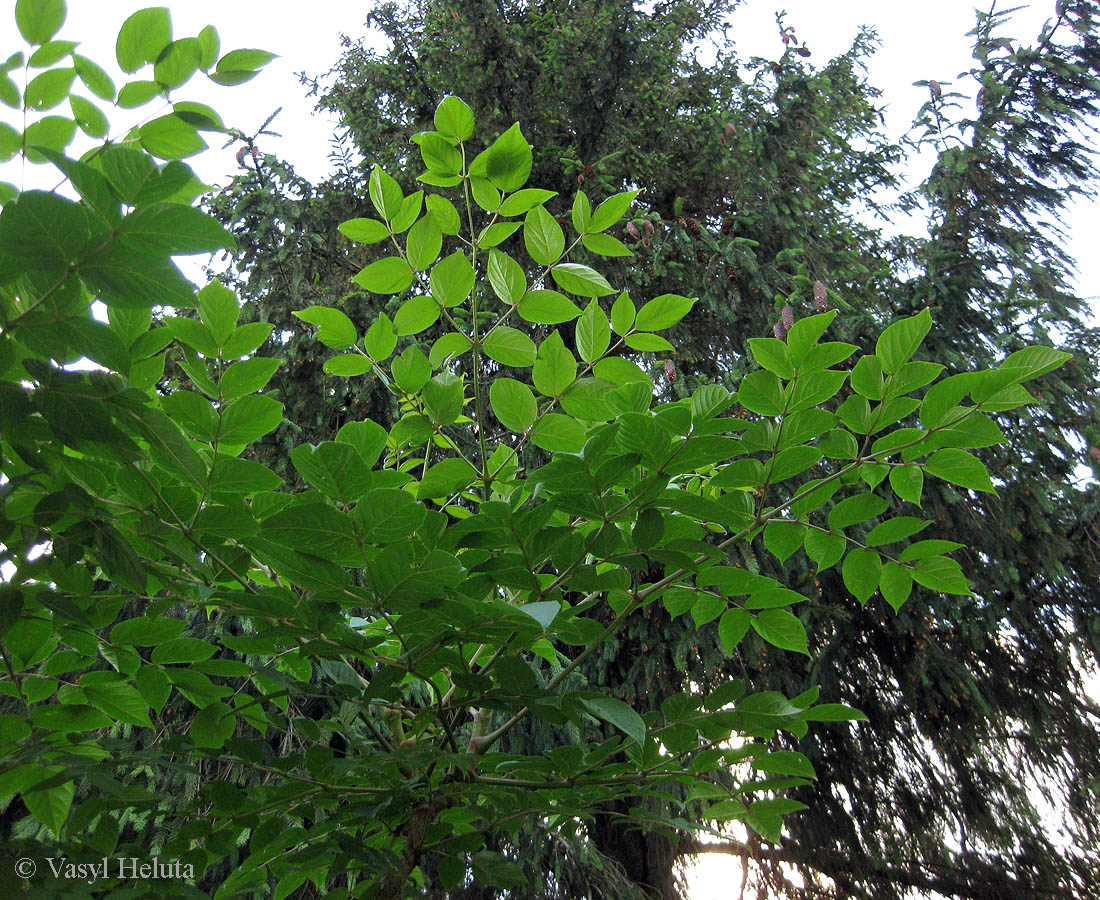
(428, 577)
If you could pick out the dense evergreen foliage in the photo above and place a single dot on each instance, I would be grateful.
(757, 177)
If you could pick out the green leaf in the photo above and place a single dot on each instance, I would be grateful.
(11, 141)
(1036, 361)
(610, 211)
(247, 376)
(211, 46)
(380, 339)
(454, 119)
(452, 279)
(907, 482)
(50, 53)
(785, 762)
(555, 367)
(547, 308)
(416, 314)
(606, 245)
(213, 726)
(411, 370)
(245, 339)
(89, 117)
(784, 537)
(824, 548)
(239, 66)
(53, 132)
(833, 712)
(593, 333)
(250, 418)
(897, 529)
(146, 631)
(761, 392)
(508, 161)
(38, 21)
(938, 573)
(335, 330)
(896, 584)
(618, 714)
(781, 629)
(219, 311)
(119, 700)
(862, 570)
(558, 433)
(335, 468)
(142, 38)
(494, 870)
(900, 341)
(138, 93)
(423, 243)
(45, 91)
(866, 378)
(364, 231)
(506, 277)
(439, 154)
(387, 515)
(513, 404)
(663, 312)
(444, 398)
(623, 314)
(649, 343)
(170, 137)
(922, 549)
(51, 806)
(448, 346)
(961, 468)
(390, 275)
(347, 365)
(446, 477)
(804, 335)
(732, 628)
(444, 212)
(853, 510)
(242, 476)
(509, 347)
(95, 79)
(175, 66)
(522, 201)
(193, 413)
(385, 193)
(580, 280)
(773, 355)
(543, 237)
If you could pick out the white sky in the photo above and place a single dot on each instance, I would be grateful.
(918, 41)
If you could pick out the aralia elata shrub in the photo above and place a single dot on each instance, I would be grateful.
(440, 580)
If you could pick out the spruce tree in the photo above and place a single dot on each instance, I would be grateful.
(753, 176)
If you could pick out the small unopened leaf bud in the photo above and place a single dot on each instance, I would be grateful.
(936, 89)
(670, 371)
(645, 242)
(821, 297)
(648, 226)
(580, 179)
(788, 317)
(255, 153)
(1095, 454)
(731, 129)
(632, 230)
(241, 154)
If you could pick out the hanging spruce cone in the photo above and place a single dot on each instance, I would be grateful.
(241, 154)
(1095, 454)
(731, 273)
(682, 222)
(693, 227)
(821, 297)
(727, 226)
(779, 331)
(936, 88)
(670, 371)
(700, 257)
(788, 317)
